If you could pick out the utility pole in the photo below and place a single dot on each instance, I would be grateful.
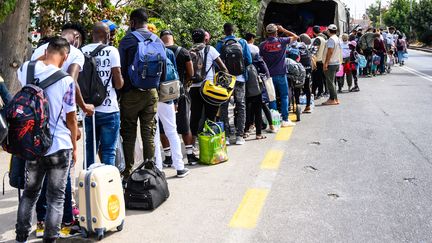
(380, 14)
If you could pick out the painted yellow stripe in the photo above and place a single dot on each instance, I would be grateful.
(272, 160)
(284, 134)
(249, 210)
(292, 117)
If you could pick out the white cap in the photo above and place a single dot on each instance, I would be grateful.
(332, 27)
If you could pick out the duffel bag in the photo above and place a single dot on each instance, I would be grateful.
(219, 90)
(146, 188)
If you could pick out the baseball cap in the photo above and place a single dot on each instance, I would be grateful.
(165, 32)
(332, 27)
(316, 29)
(110, 24)
(271, 28)
(353, 43)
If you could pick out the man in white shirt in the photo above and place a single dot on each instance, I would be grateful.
(55, 164)
(250, 38)
(107, 115)
(332, 61)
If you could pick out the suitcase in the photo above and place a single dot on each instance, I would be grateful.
(102, 206)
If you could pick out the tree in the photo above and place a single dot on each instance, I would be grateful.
(421, 18)
(374, 12)
(15, 45)
(397, 15)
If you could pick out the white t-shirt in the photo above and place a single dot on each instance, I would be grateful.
(212, 55)
(254, 49)
(61, 97)
(106, 59)
(75, 56)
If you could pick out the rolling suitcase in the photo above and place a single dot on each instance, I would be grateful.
(102, 206)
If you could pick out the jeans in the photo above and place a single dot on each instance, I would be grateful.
(330, 79)
(167, 115)
(281, 85)
(5, 94)
(197, 106)
(107, 131)
(381, 67)
(41, 204)
(400, 56)
(134, 105)
(239, 110)
(55, 168)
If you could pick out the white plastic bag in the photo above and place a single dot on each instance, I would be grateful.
(138, 152)
(270, 89)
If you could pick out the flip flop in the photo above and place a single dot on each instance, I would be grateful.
(260, 137)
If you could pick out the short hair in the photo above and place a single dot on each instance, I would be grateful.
(316, 29)
(139, 16)
(228, 27)
(58, 44)
(249, 36)
(78, 27)
(198, 35)
(392, 28)
(332, 31)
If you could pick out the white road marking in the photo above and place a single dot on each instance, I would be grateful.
(418, 73)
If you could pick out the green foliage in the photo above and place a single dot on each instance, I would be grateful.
(426, 37)
(373, 12)
(398, 15)
(6, 8)
(421, 19)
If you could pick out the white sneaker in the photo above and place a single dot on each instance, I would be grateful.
(288, 123)
(240, 140)
(228, 142)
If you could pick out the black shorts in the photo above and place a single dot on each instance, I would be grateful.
(182, 115)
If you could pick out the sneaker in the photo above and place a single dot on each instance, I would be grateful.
(192, 159)
(183, 173)
(40, 228)
(168, 161)
(240, 140)
(71, 230)
(288, 123)
(228, 142)
(355, 89)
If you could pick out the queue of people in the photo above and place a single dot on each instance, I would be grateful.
(128, 100)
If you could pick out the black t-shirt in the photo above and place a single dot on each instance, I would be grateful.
(181, 59)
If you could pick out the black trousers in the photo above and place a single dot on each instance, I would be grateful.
(254, 113)
(306, 90)
(197, 106)
(318, 79)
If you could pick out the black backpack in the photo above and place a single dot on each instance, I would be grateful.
(305, 57)
(232, 55)
(199, 62)
(146, 188)
(93, 90)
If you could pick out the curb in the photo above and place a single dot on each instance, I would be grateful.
(429, 50)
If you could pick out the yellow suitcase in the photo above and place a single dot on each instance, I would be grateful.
(101, 200)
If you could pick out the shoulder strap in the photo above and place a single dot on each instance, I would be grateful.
(31, 72)
(97, 50)
(138, 36)
(52, 79)
(206, 51)
(179, 48)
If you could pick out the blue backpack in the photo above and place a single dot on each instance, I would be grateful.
(147, 67)
(171, 68)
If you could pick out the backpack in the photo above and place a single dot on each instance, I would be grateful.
(296, 73)
(305, 57)
(148, 63)
(376, 60)
(170, 89)
(28, 116)
(253, 82)
(399, 45)
(93, 90)
(199, 62)
(232, 56)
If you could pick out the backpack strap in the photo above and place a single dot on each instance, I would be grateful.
(52, 79)
(31, 72)
(97, 50)
(177, 52)
(142, 38)
(206, 51)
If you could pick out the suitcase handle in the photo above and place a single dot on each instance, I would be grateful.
(85, 141)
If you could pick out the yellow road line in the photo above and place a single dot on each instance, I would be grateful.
(248, 212)
(272, 160)
(284, 134)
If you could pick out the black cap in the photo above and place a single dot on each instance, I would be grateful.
(316, 29)
(165, 32)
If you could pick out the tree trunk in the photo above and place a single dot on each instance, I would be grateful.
(15, 46)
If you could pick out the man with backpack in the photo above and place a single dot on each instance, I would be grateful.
(107, 115)
(63, 129)
(204, 57)
(185, 71)
(273, 52)
(139, 95)
(236, 55)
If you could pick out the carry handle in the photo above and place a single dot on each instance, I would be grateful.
(208, 128)
(85, 142)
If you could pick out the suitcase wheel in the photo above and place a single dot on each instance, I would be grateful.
(100, 234)
(120, 227)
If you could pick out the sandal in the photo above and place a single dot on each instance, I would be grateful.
(246, 135)
(259, 137)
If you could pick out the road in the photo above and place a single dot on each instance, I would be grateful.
(357, 172)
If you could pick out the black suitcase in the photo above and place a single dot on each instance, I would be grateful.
(146, 188)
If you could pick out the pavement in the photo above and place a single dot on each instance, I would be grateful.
(357, 172)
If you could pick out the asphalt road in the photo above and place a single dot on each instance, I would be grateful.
(357, 172)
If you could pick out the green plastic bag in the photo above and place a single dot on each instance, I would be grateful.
(212, 145)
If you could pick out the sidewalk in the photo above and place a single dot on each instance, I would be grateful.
(421, 48)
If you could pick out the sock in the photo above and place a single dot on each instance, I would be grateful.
(167, 151)
(189, 149)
